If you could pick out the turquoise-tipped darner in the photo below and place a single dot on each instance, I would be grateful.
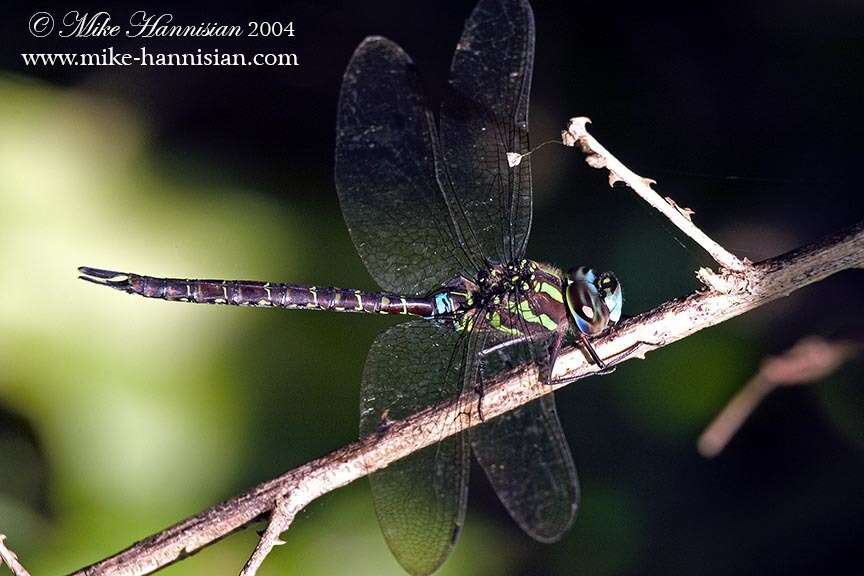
(442, 222)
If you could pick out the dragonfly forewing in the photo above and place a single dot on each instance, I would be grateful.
(385, 173)
(484, 115)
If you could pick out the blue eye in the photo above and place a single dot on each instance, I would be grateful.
(583, 326)
(614, 302)
(612, 296)
(594, 301)
(586, 306)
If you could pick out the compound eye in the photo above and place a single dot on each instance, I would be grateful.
(581, 274)
(610, 290)
(587, 308)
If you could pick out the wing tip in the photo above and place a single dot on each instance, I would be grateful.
(523, 6)
(382, 44)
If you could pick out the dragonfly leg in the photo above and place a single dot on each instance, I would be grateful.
(478, 389)
(629, 351)
(562, 381)
(554, 349)
(586, 344)
(603, 367)
(609, 363)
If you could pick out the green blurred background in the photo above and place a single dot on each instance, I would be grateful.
(120, 416)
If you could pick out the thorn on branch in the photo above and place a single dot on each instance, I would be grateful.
(686, 212)
(280, 520)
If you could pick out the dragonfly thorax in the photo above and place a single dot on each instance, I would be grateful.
(519, 298)
(504, 280)
(523, 298)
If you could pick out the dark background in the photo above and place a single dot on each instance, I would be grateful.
(119, 416)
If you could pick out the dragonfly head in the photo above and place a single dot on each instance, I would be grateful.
(593, 300)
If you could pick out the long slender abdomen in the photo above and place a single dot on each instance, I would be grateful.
(260, 294)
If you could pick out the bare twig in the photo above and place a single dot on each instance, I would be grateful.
(11, 559)
(761, 283)
(597, 156)
(809, 360)
(280, 520)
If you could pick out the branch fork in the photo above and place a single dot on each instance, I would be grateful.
(280, 520)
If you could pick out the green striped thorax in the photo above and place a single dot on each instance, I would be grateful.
(526, 297)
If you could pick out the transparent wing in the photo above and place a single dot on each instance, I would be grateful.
(484, 115)
(419, 500)
(385, 173)
(524, 452)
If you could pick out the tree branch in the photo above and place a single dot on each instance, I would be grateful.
(810, 360)
(755, 286)
(280, 520)
(597, 156)
(11, 559)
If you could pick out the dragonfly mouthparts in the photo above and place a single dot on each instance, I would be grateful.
(110, 278)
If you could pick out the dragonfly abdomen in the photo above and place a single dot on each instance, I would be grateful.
(260, 294)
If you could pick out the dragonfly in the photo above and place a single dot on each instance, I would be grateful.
(441, 220)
